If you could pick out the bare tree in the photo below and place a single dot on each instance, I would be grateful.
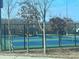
(10, 8)
(37, 9)
(29, 14)
(43, 7)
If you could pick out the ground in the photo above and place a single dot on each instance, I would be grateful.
(55, 53)
(21, 57)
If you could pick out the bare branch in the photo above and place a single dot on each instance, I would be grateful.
(50, 3)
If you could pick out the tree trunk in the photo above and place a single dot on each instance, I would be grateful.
(44, 38)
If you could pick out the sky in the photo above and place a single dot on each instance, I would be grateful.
(58, 8)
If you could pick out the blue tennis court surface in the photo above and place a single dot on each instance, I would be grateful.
(51, 41)
(37, 41)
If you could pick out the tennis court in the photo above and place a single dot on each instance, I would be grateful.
(37, 41)
(19, 39)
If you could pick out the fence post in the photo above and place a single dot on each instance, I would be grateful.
(4, 38)
(59, 36)
(75, 34)
(0, 32)
(59, 41)
(24, 38)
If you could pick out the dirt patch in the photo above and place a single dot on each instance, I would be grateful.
(52, 52)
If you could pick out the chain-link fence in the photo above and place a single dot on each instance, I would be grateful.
(23, 36)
